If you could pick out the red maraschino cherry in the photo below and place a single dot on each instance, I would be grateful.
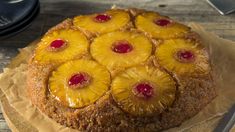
(122, 47)
(102, 18)
(79, 80)
(162, 22)
(143, 90)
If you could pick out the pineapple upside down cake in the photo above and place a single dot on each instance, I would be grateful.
(120, 70)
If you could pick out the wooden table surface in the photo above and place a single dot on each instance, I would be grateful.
(54, 11)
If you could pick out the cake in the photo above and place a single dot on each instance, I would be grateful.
(120, 70)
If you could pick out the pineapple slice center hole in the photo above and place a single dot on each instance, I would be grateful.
(162, 22)
(79, 80)
(102, 18)
(122, 46)
(143, 90)
(184, 56)
(57, 44)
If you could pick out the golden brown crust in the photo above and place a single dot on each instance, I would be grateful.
(66, 24)
(193, 94)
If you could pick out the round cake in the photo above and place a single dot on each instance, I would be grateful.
(120, 70)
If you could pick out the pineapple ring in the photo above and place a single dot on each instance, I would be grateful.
(148, 22)
(167, 57)
(118, 19)
(162, 94)
(76, 46)
(82, 96)
(102, 48)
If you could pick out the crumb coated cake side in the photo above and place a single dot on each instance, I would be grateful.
(120, 70)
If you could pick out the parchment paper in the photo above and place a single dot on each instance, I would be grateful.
(222, 55)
